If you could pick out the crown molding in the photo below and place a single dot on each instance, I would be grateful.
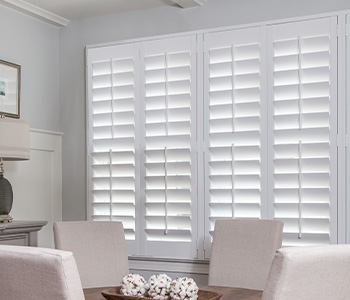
(36, 12)
(189, 3)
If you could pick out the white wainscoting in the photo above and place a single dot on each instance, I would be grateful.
(37, 183)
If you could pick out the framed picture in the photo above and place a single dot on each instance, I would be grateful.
(10, 89)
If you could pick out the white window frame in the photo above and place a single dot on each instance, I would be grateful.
(342, 208)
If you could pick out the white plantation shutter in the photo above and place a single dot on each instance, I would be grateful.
(168, 85)
(233, 89)
(303, 84)
(112, 75)
(243, 123)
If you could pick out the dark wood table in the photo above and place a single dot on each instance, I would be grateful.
(228, 293)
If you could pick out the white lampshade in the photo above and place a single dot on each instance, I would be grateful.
(14, 139)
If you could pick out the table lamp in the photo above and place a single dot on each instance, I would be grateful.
(14, 145)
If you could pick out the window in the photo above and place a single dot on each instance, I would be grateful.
(260, 143)
(303, 149)
(234, 91)
(142, 121)
(112, 166)
(168, 112)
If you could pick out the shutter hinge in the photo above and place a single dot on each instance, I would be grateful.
(342, 142)
(339, 31)
(198, 147)
(200, 244)
(204, 248)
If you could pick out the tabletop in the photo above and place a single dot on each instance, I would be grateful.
(228, 293)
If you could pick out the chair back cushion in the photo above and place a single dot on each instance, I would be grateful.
(99, 249)
(242, 252)
(38, 273)
(310, 273)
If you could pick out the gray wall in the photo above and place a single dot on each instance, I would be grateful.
(78, 34)
(34, 45)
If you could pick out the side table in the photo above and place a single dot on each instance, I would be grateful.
(20, 233)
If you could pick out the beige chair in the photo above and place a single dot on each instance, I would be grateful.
(38, 273)
(310, 273)
(99, 249)
(242, 252)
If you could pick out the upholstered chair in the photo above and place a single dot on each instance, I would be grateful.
(310, 273)
(99, 249)
(38, 273)
(242, 252)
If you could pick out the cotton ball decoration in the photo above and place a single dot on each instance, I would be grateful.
(159, 286)
(184, 288)
(133, 285)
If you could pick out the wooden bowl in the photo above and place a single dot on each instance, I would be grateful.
(114, 294)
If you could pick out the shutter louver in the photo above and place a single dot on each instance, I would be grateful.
(302, 123)
(169, 86)
(112, 136)
(233, 155)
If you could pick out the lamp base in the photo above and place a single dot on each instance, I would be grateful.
(5, 218)
(6, 199)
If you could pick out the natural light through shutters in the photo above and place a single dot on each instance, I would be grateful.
(301, 128)
(234, 162)
(184, 130)
(168, 157)
(113, 142)
(168, 136)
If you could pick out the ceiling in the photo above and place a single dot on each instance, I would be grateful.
(77, 9)
(60, 12)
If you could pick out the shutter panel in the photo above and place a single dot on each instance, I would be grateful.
(303, 128)
(232, 82)
(168, 81)
(112, 78)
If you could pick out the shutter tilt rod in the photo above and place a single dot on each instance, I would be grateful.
(233, 131)
(299, 85)
(299, 190)
(233, 180)
(112, 98)
(233, 87)
(110, 186)
(166, 191)
(165, 149)
(300, 128)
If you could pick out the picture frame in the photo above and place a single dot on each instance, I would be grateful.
(10, 89)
